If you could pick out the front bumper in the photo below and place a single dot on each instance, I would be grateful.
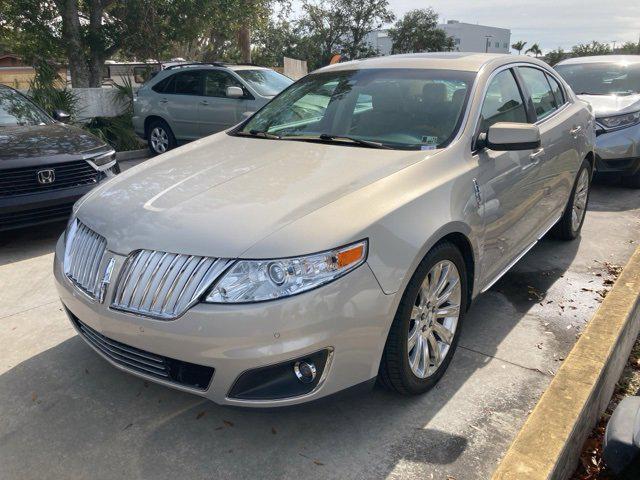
(619, 151)
(350, 316)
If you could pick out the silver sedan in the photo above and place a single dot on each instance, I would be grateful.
(336, 237)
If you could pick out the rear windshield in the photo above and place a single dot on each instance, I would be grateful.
(267, 83)
(602, 78)
(16, 110)
(398, 108)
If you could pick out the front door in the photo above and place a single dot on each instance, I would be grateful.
(181, 104)
(506, 180)
(218, 112)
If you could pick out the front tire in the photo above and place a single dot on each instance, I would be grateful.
(160, 137)
(570, 224)
(427, 325)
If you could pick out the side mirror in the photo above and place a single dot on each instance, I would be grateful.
(235, 92)
(61, 116)
(506, 136)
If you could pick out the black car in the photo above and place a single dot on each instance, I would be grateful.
(45, 165)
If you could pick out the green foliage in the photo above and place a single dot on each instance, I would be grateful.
(116, 131)
(418, 31)
(519, 46)
(555, 56)
(535, 49)
(50, 93)
(590, 49)
(629, 48)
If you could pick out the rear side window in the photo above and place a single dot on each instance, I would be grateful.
(166, 85)
(188, 83)
(544, 101)
(558, 93)
(503, 102)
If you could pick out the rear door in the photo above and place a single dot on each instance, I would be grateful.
(218, 112)
(180, 101)
(506, 180)
(558, 123)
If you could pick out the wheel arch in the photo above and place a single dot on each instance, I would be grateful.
(149, 120)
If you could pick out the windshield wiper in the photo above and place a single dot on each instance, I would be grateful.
(326, 137)
(259, 133)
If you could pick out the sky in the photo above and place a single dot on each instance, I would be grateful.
(550, 23)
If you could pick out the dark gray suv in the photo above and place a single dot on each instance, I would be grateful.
(189, 101)
(45, 165)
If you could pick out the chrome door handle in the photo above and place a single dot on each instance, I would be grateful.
(535, 156)
(204, 102)
(574, 131)
(164, 100)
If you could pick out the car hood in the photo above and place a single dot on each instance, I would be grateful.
(45, 143)
(221, 195)
(604, 105)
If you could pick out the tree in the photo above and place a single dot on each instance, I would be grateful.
(555, 56)
(519, 46)
(535, 49)
(325, 27)
(629, 48)
(418, 31)
(362, 18)
(589, 49)
(84, 33)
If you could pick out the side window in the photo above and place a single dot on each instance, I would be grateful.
(217, 81)
(558, 93)
(165, 85)
(503, 102)
(188, 83)
(536, 82)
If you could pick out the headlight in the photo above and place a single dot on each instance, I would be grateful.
(260, 280)
(620, 121)
(103, 159)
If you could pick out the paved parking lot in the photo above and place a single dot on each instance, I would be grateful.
(65, 413)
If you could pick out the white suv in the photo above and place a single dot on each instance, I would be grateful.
(189, 101)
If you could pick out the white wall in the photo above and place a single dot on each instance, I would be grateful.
(473, 38)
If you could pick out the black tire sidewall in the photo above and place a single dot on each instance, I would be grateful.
(574, 233)
(441, 252)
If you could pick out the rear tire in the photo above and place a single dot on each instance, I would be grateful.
(421, 319)
(160, 138)
(570, 224)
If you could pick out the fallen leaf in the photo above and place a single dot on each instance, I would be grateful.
(317, 462)
(228, 423)
(200, 415)
(273, 430)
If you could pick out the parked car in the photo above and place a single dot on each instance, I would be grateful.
(45, 165)
(305, 252)
(188, 101)
(611, 84)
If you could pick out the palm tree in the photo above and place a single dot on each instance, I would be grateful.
(519, 45)
(535, 49)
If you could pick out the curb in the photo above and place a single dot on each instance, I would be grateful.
(550, 442)
(132, 155)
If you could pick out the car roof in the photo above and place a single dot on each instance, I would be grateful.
(464, 61)
(209, 66)
(619, 59)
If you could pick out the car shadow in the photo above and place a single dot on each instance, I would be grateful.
(25, 243)
(605, 185)
(68, 404)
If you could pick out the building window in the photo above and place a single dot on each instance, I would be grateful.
(497, 44)
(505, 45)
(456, 41)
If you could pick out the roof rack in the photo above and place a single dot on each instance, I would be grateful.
(196, 64)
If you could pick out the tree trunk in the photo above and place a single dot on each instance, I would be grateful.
(244, 42)
(96, 45)
(71, 34)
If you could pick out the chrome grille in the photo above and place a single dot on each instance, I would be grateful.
(82, 258)
(164, 285)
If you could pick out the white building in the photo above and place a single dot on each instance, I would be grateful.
(380, 40)
(469, 37)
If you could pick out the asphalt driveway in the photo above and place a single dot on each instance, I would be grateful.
(66, 413)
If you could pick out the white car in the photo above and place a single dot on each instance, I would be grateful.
(327, 242)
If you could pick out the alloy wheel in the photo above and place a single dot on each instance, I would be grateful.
(159, 140)
(434, 319)
(580, 200)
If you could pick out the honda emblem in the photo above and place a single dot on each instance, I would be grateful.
(45, 177)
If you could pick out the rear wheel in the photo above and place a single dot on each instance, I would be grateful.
(426, 328)
(570, 224)
(160, 137)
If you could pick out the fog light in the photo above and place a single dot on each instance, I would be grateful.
(305, 371)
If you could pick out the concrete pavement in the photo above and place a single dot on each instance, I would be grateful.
(66, 413)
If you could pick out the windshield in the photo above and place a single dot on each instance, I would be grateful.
(16, 110)
(396, 108)
(266, 82)
(602, 78)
